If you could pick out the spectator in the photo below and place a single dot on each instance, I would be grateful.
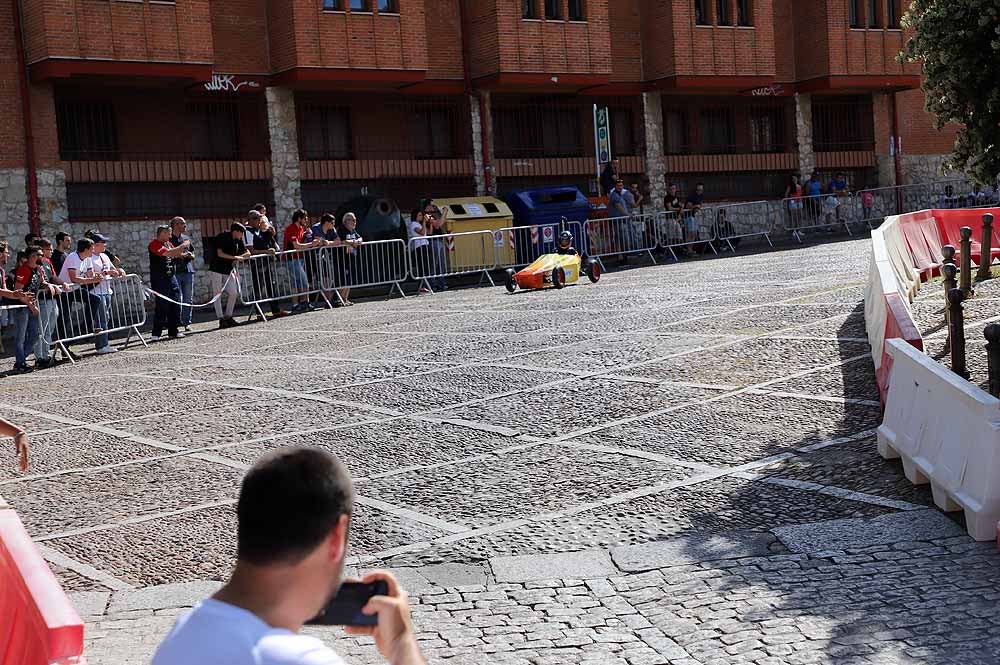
(435, 222)
(183, 269)
(622, 204)
(262, 209)
(72, 274)
(229, 250)
(351, 239)
(420, 246)
(31, 239)
(64, 243)
(867, 206)
(292, 516)
(814, 192)
(948, 199)
(8, 295)
(637, 195)
(724, 233)
(48, 306)
(610, 175)
(98, 264)
(27, 279)
(263, 243)
(9, 429)
(692, 211)
(326, 230)
(793, 194)
(669, 231)
(295, 236)
(115, 261)
(163, 256)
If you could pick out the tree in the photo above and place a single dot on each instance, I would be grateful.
(958, 43)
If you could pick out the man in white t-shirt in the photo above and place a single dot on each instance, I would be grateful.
(99, 264)
(292, 528)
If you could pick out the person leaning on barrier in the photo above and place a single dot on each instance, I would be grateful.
(326, 230)
(183, 269)
(9, 296)
(100, 265)
(417, 232)
(294, 239)
(163, 256)
(71, 274)
(27, 279)
(261, 242)
(115, 261)
(229, 249)
(435, 219)
(293, 516)
(348, 236)
(48, 306)
(9, 429)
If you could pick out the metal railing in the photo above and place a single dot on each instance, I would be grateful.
(84, 314)
(517, 246)
(433, 258)
(743, 220)
(635, 234)
(379, 263)
(686, 229)
(820, 211)
(292, 275)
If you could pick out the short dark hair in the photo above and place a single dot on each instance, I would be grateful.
(83, 244)
(31, 251)
(327, 217)
(30, 238)
(299, 214)
(289, 502)
(699, 184)
(43, 243)
(236, 226)
(62, 235)
(161, 228)
(258, 207)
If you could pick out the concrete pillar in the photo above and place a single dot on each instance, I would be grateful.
(804, 134)
(475, 118)
(656, 171)
(885, 163)
(286, 174)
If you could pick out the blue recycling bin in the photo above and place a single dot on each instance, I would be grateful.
(547, 207)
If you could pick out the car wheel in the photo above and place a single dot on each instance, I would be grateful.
(558, 278)
(593, 271)
(510, 282)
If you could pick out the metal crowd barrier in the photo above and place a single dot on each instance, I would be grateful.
(451, 254)
(822, 211)
(688, 228)
(378, 263)
(743, 220)
(79, 314)
(268, 278)
(634, 234)
(518, 246)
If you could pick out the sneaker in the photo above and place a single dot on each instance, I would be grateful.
(424, 289)
(179, 335)
(106, 350)
(187, 329)
(233, 323)
(223, 324)
(21, 369)
(155, 338)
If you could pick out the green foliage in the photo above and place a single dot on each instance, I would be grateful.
(958, 43)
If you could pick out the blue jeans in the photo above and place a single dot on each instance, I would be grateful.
(439, 263)
(102, 316)
(48, 314)
(25, 334)
(186, 282)
(297, 275)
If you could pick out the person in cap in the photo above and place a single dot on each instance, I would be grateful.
(99, 265)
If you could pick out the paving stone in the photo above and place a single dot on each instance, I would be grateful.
(90, 603)
(549, 566)
(886, 529)
(691, 550)
(160, 597)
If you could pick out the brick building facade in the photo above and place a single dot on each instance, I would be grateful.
(143, 109)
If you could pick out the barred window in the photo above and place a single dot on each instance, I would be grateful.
(718, 130)
(433, 133)
(215, 130)
(87, 130)
(325, 133)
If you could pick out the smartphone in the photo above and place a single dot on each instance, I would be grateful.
(344, 609)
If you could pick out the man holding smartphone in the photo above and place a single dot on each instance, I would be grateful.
(293, 515)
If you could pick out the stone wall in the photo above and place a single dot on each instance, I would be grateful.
(656, 170)
(286, 174)
(804, 135)
(13, 205)
(926, 168)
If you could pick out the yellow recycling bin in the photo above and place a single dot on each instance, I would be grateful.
(477, 213)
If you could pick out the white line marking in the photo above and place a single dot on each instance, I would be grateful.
(57, 558)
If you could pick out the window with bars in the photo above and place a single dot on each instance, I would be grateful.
(843, 124)
(576, 12)
(529, 8)
(717, 129)
(325, 133)
(700, 12)
(215, 130)
(892, 13)
(873, 14)
(744, 10)
(552, 10)
(854, 13)
(675, 141)
(767, 129)
(531, 131)
(87, 130)
(722, 12)
(622, 131)
(433, 133)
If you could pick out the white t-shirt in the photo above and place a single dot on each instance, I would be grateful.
(415, 232)
(99, 263)
(217, 633)
(72, 262)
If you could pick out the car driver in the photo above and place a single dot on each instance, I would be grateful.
(566, 244)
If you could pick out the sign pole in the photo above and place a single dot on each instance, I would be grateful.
(602, 138)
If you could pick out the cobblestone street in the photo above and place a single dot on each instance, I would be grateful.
(676, 465)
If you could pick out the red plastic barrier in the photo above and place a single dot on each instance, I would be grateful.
(897, 324)
(950, 221)
(915, 227)
(38, 625)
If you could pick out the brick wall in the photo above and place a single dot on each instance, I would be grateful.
(916, 127)
(11, 129)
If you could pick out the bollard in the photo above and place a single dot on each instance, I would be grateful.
(992, 334)
(957, 333)
(948, 252)
(948, 271)
(986, 258)
(965, 270)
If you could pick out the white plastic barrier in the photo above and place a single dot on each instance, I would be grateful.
(899, 257)
(947, 432)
